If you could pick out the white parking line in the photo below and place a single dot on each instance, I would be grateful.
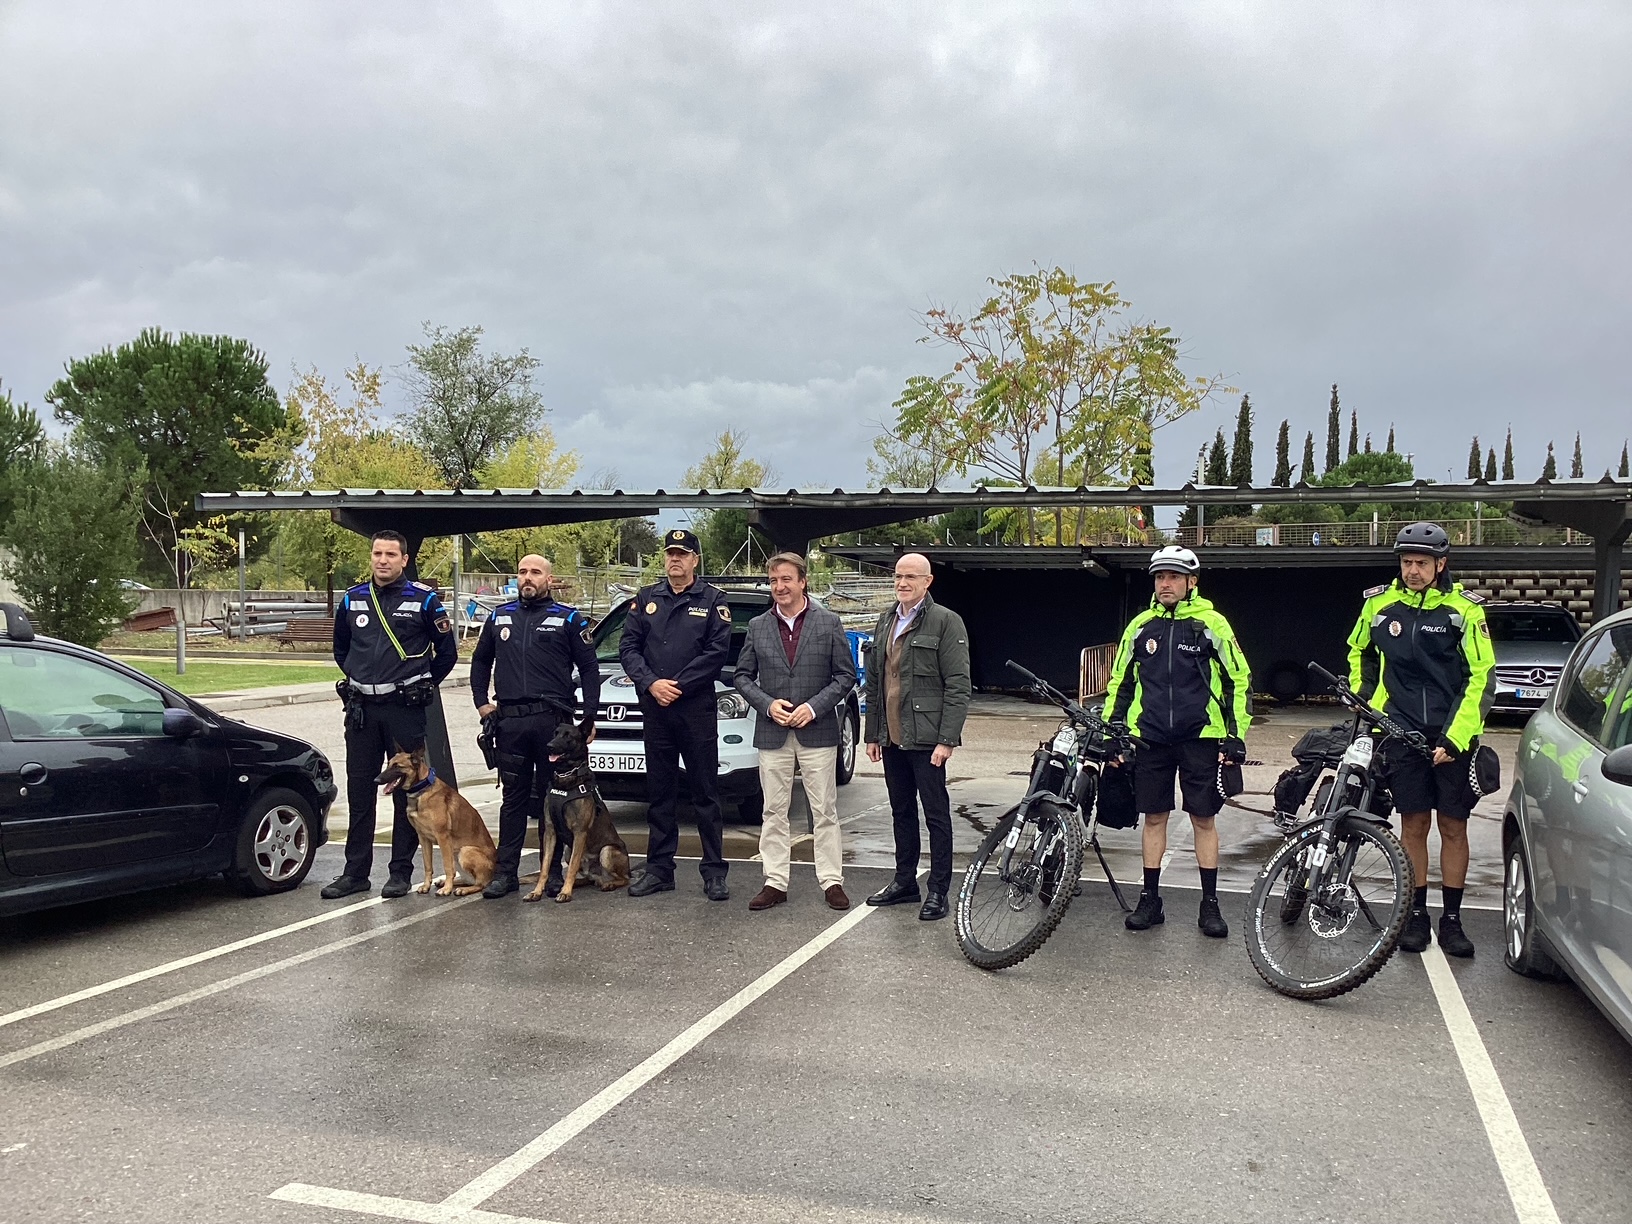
(463, 1204)
(1531, 1202)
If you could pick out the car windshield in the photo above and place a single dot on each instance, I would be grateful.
(609, 633)
(1510, 626)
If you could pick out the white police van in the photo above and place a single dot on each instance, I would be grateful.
(618, 755)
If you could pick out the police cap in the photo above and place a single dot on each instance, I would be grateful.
(679, 538)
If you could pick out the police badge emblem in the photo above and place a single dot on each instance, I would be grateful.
(651, 608)
(1150, 646)
(725, 612)
(504, 634)
(362, 620)
(1394, 629)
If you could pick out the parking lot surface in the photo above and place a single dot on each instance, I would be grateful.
(186, 1054)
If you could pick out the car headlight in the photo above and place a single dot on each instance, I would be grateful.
(730, 706)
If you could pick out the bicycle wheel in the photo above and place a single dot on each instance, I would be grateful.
(1317, 943)
(1001, 920)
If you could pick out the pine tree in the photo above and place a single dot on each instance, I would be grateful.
(1507, 456)
(1549, 470)
(1306, 471)
(1474, 454)
(1283, 457)
(1354, 434)
(1577, 469)
(1241, 453)
(1623, 472)
(1391, 439)
(1334, 432)
(1490, 465)
(1218, 462)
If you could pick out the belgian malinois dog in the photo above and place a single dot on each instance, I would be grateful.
(441, 815)
(594, 836)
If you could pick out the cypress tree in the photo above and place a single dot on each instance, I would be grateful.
(1283, 457)
(1473, 458)
(1241, 453)
(1354, 434)
(1218, 461)
(1334, 432)
(1368, 444)
(1507, 456)
(1549, 470)
(1623, 472)
(1577, 470)
(1490, 465)
(1306, 472)
(1391, 439)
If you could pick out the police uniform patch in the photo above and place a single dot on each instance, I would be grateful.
(443, 624)
(504, 634)
(1373, 592)
(651, 608)
(1484, 629)
(1394, 628)
(724, 611)
(1474, 597)
(362, 620)
(589, 639)
(1150, 645)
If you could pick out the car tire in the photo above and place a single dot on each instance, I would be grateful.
(276, 844)
(1521, 943)
(1287, 681)
(844, 768)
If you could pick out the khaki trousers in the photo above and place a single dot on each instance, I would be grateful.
(816, 767)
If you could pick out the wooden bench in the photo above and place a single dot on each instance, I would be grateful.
(147, 622)
(307, 629)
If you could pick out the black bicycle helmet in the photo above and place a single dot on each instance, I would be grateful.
(1426, 538)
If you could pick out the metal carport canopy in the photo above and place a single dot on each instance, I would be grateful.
(793, 518)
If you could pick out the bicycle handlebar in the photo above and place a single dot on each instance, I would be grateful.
(1350, 698)
(1075, 710)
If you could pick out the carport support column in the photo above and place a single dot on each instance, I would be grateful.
(1607, 551)
(437, 745)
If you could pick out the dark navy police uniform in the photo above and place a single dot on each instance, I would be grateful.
(683, 636)
(528, 648)
(394, 644)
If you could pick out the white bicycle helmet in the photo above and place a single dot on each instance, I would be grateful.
(1172, 557)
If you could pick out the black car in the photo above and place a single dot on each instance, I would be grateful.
(111, 783)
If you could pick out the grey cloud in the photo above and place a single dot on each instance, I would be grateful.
(712, 215)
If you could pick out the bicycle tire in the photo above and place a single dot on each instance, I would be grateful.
(1267, 915)
(1055, 878)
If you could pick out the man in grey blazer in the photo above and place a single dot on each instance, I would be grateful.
(795, 669)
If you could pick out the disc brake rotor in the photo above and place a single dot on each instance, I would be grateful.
(1335, 911)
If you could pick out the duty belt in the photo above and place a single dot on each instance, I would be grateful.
(385, 690)
(523, 710)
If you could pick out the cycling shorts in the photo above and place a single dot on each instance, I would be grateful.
(1419, 785)
(1196, 764)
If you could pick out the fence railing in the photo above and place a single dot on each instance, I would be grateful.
(1374, 532)
(1094, 671)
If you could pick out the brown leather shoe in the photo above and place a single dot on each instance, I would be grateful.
(835, 897)
(767, 897)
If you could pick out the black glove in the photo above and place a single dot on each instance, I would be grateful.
(1233, 749)
(1451, 750)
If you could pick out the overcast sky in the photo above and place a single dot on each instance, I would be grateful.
(700, 216)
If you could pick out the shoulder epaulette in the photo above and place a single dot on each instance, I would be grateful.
(1473, 597)
(1373, 592)
(508, 607)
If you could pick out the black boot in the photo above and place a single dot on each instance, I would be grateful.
(344, 886)
(1415, 936)
(502, 883)
(1453, 941)
(1210, 921)
(396, 886)
(1146, 914)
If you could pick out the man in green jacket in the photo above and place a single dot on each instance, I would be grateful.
(917, 698)
(1181, 684)
(1421, 653)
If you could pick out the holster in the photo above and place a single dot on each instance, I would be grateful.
(487, 741)
(419, 693)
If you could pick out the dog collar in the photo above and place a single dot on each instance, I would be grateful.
(430, 777)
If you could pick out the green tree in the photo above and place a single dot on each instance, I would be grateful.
(1577, 469)
(1241, 452)
(1218, 461)
(468, 406)
(1475, 455)
(1334, 431)
(1368, 444)
(1490, 465)
(724, 534)
(1354, 434)
(1047, 365)
(1390, 447)
(72, 537)
(22, 441)
(1283, 457)
(1306, 470)
(189, 414)
(1507, 456)
(1623, 473)
(1549, 470)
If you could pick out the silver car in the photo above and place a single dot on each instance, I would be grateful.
(1567, 834)
(1531, 642)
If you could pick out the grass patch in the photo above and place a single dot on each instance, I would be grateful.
(217, 677)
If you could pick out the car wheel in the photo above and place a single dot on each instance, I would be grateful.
(1521, 943)
(845, 767)
(276, 847)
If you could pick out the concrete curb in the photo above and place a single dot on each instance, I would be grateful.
(292, 694)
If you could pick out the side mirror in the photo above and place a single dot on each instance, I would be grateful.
(1617, 766)
(182, 724)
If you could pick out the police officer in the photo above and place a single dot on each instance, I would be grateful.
(1181, 684)
(394, 642)
(676, 640)
(1421, 650)
(528, 648)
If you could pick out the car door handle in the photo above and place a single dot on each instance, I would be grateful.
(32, 773)
(1580, 789)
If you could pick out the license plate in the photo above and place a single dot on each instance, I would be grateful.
(616, 762)
(1531, 694)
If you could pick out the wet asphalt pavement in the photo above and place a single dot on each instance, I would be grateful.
(670, 1059)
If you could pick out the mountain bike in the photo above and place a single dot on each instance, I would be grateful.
(1022, 879)
(1326, 911)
